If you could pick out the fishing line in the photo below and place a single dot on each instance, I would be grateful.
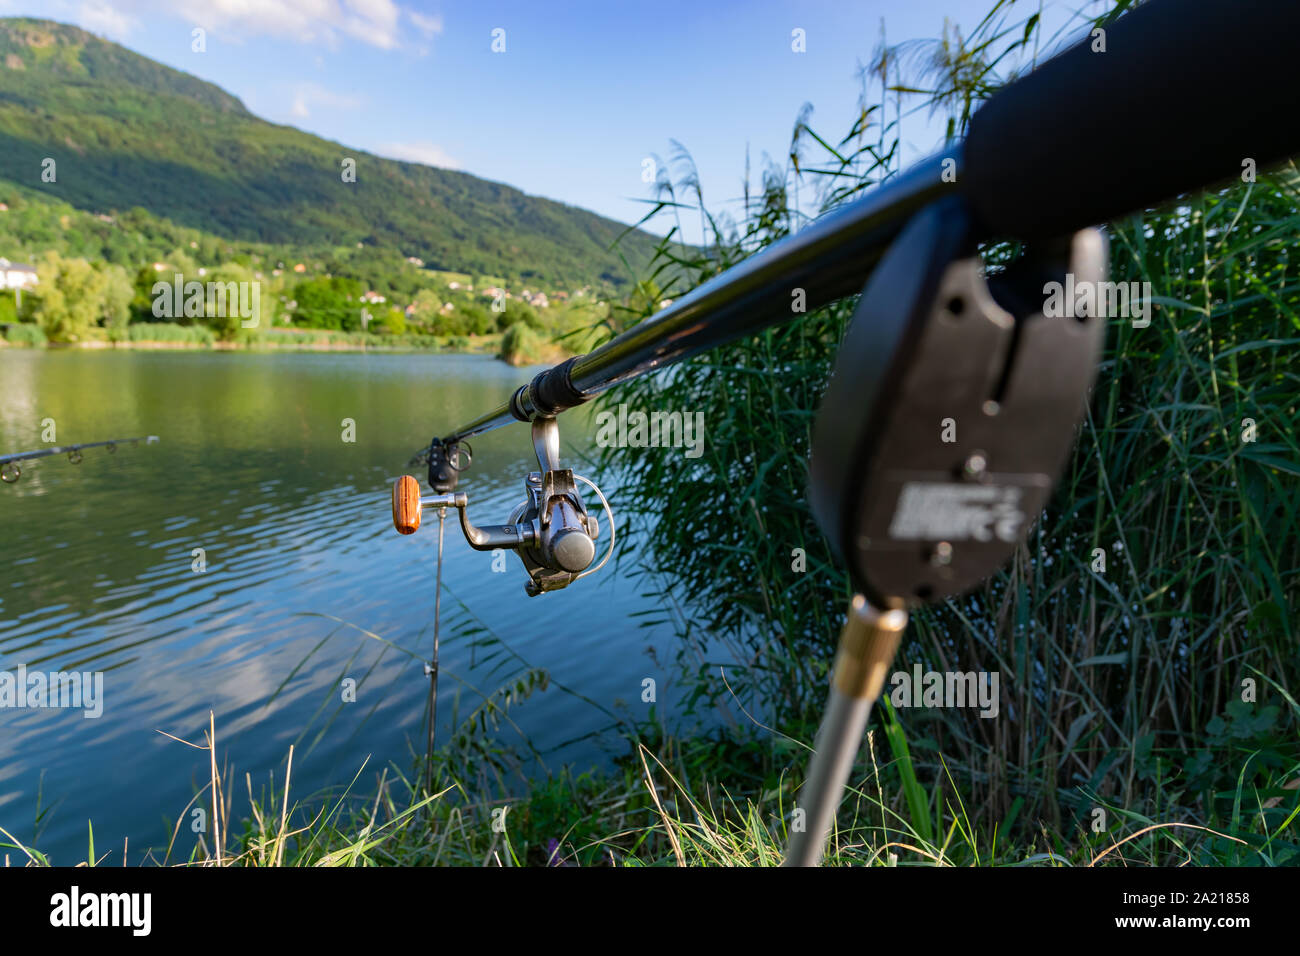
(432, 668)
(550, 530)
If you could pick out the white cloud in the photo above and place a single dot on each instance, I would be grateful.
(378, 23)
(374, 22)
(427, 25)
(307, 96)
(427, 153)
(98, 16)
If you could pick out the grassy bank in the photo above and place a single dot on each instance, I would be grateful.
(646, 812)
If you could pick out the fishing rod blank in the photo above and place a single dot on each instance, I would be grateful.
(1114, 124)
(11, 472)
(827, 260)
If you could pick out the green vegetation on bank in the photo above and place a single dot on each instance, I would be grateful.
(248, 301)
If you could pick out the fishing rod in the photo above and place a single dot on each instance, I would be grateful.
(10, 471)
(956, 394)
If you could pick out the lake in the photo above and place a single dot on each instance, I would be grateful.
(98, 574)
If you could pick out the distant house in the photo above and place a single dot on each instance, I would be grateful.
(371, 296)
(15, 275)
(299, 268)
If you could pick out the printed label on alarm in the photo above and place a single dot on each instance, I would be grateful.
(944, 511)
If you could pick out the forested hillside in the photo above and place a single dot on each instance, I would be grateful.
(128, 134)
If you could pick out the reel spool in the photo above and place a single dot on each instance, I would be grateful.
(550, 530)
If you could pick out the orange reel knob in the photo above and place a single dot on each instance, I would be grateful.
(406, 505)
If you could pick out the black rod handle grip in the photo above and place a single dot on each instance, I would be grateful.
(1185, 92)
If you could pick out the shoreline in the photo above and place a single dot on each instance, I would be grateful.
(153, 345)
(156, 345)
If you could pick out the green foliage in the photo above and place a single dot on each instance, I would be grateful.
(142, 297)
(329, 304)
(520, 345)
(233, 297)
(518, 313)
(425, 307)
(394, 322)
(75, 295)
(476, 320)
(117, 294)
(25, 334)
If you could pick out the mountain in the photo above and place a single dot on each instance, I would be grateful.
(126, 132)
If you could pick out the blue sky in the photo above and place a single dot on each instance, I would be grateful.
(582, 95)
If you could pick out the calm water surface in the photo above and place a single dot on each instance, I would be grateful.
(96, 575)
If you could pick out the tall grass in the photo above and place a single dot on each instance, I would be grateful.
(1124, 687)
(649, 812)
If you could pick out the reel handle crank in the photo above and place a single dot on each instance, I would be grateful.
(408, 504)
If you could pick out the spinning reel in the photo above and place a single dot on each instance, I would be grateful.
(550, 530)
